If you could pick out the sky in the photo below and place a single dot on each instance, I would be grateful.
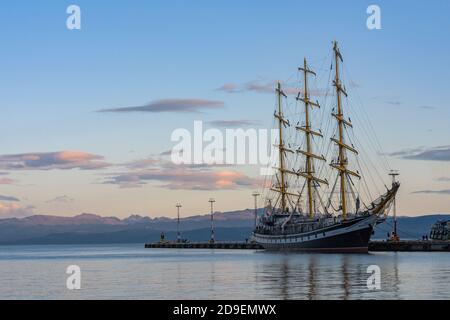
(87, 115)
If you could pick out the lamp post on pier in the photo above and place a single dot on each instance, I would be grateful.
(178, 222)
(212, 240)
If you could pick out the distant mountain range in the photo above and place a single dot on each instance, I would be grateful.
(94, 229)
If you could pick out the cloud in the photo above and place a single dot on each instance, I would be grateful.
(444, 191)
(61, 199)
(7, 198)
(167, 153)
(441, 153)
(4, 180)
(405, 152)
(269, 87)
(427, 107)
(393, 102)
(14, 210)
(431, 154)
(233, 123)
(229, 88)
(260, 86)
(186, 179)
(178, 176)
(52, 160)
(171, 105)
(163, 162)
(141, 163)
(7, 181)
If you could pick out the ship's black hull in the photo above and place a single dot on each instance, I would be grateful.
(356, 242)
(353, 236)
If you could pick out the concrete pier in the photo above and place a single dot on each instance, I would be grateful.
(410, 246)
(400, 246)
(204, 245)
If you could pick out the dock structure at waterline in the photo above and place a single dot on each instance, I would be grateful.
(374, 246)
(410, 246)
(205, 245)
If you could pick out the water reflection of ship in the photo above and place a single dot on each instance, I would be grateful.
(311, 278)
(314, 277)
(345, 278)
(307, 279)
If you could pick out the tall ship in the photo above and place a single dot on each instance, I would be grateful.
(315, 201)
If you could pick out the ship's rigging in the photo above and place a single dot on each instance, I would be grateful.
(303, 185)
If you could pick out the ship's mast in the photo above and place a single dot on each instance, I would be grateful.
(281, 123)
(281, 187)
(308, 153)
(341, 165)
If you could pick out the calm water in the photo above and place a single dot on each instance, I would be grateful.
(132, 272)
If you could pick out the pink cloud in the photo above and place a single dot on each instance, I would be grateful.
(53, 160)
(7, 181)
(260, 86)
(14, 210)
(186, 179)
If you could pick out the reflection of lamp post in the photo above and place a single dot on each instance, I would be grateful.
(256, 194)
(212, 220)
(178, 222)
(393, 174)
